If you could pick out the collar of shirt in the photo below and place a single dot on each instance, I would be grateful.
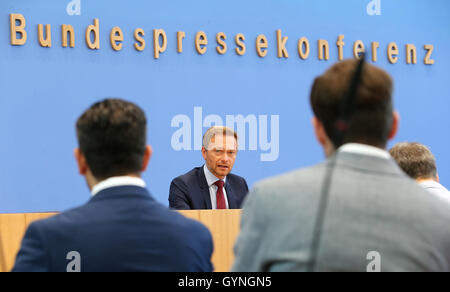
(211, 178)
(431, 184)
(365, 150)
(117, 181)
(437, 189)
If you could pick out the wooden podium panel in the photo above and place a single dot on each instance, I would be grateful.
(223, 224)
(12, 230)
(191, 214)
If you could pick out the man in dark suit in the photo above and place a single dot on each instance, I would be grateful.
(211, 186)
(122, 228)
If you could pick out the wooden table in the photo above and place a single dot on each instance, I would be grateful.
(223, 224)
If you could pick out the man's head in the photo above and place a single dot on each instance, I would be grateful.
(416, 160)
(373, 122)
(112, 141)
(219, 150)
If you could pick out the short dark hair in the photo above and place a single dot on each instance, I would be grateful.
(372, 120)
(112, 137)
(415, 159)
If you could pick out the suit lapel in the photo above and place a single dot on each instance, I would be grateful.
(230, 195)
(204, 188)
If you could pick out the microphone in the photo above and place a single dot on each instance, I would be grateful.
(347, 109)
(348, 106)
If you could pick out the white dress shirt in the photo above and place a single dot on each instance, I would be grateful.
(365, 150)
(118, 181)
(437, 189)
(430, 185)
(211, 179)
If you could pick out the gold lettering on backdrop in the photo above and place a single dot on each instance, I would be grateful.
(222, 45)
(46, 41)
(159, 48)
(139, 37)
(180, 37)
(96, 30)
(303, 43)
(65, 31)
(18, 29)
(375, 46)
(340, 44)
(324, 50)
(19, 36)
(358, 48)
(393, 53)
(241, 49)
(201, 42)
(116, 38)
(281, 45)
(411, 54)
(261, 45)
(428, 60)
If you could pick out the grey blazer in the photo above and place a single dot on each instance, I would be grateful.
(373, 206)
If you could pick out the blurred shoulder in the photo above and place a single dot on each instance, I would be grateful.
(291, 190)
(62, 220)
(302, 177)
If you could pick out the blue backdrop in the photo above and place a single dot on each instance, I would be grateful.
(44, 90)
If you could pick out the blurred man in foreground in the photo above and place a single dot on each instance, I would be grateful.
(122, 228)
(366, 215)
(419, 163)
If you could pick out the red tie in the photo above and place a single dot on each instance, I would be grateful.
(220, 196)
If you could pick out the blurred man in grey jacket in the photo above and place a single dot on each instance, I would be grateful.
(372, 218)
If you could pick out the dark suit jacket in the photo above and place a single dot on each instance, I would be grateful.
(191, 191)
(119, 229)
